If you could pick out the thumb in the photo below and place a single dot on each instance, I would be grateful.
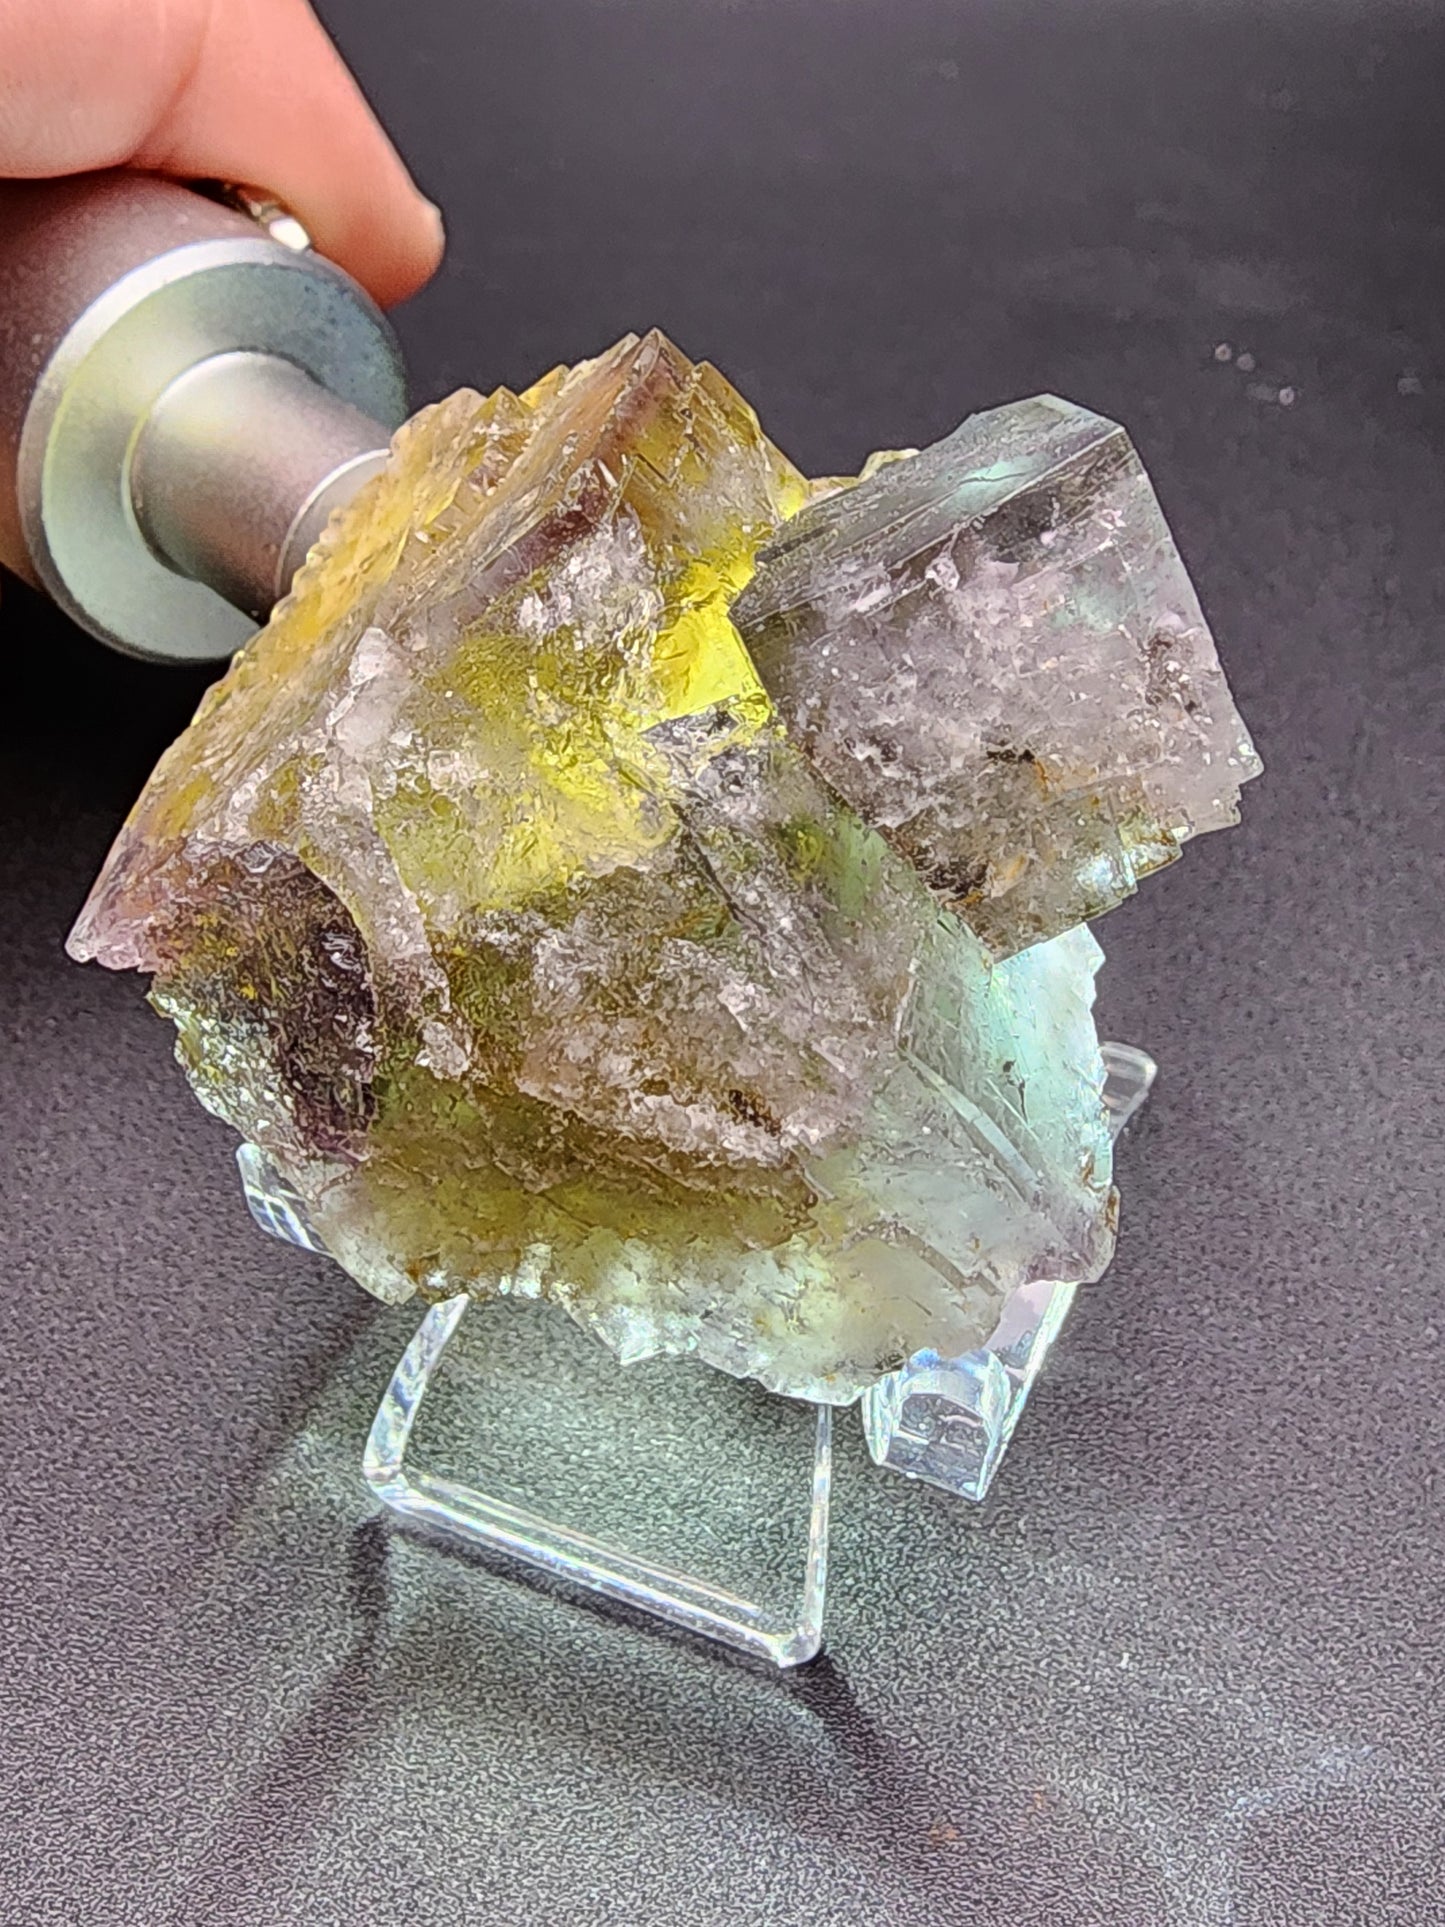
(241, 90)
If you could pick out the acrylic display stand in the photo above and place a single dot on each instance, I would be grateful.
(785, 1628)
(535, 1403)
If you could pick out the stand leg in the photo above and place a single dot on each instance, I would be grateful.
(466, 1512)
(1129, 1075)
(949, 1420)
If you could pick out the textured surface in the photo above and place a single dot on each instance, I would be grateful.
(1185, 1669)
(993, 651)
(493, 904)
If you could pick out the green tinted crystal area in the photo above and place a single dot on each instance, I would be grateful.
(540, 943)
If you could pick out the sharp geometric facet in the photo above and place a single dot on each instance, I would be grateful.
(993, 652)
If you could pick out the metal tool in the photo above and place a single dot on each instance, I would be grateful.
(185, 397)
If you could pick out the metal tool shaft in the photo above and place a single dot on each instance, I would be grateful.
(237, 467)
(183, 402)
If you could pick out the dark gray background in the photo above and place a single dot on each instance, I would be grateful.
(1186, 1665)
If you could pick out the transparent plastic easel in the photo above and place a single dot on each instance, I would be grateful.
(582, 1455)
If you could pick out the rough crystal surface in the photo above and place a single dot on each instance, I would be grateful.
(994, 653)
(949, 1420)
(496, 907)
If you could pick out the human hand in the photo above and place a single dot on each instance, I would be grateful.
(234, 90)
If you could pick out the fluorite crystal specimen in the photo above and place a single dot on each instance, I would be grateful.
(493, 901)
(993, 652)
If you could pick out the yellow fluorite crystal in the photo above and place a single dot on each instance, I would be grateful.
(491, 900)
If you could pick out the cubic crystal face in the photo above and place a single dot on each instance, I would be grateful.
(497, 908)
(993, 652)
